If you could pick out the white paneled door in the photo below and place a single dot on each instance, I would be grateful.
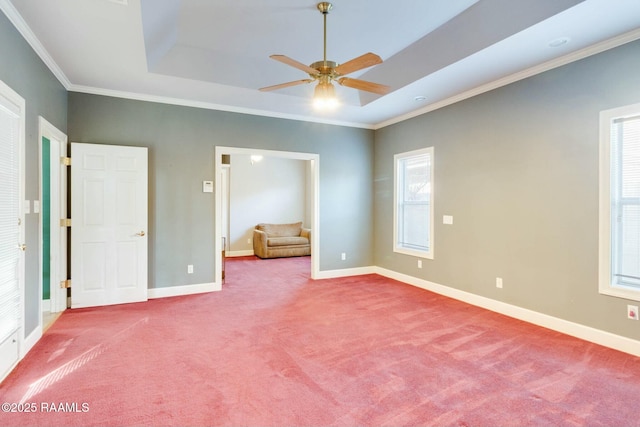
(109, 224)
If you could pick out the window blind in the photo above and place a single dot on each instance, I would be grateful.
(625, 202)
(9, 215)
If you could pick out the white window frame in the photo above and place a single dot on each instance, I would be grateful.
(605, 286)
(397, 247)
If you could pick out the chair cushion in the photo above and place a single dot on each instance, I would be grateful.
(281, 230)
(287, 241)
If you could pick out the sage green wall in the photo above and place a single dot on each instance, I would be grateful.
(517, 168)
(181, 143)
(23, 71)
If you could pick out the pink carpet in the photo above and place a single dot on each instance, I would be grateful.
(275, 348)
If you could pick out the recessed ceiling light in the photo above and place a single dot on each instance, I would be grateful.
(420, 98)
(559, 41)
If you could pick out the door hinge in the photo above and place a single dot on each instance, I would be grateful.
(66, 161)
(65, 222)
(65, 284)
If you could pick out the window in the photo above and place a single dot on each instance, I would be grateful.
(619, 273)
(11, 220)
(413, 200)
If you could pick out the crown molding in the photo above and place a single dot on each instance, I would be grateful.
(521, 75)
(210, 106)
(16, 19)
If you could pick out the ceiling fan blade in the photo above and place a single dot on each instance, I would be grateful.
(364, 85)
(283, 85)
(364, 61)
(293, 63)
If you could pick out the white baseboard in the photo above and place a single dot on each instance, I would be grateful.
(30, 341)
(175, 291)
(358, 271)
(577, 330)
(231, 254)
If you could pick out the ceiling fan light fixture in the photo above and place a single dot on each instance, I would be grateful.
(325, 72)
(324, 96)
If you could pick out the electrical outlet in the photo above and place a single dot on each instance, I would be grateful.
(249, 241)
(344, 256)
(419, 263)
(632, 312)
(499, 282)
(190, 269)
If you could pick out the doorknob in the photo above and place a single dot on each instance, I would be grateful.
(140, 234)
(22, 247)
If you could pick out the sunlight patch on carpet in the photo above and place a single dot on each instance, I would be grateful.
(73, 365)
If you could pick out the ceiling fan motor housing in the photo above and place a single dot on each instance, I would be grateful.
(325, 68)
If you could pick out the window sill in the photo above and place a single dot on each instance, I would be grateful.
(621, 292)
(413, 252)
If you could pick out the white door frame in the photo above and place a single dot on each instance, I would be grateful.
(223, 175)
(58, 180)
(314, 160)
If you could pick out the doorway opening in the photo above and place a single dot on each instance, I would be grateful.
(53, 232)
(223, 218)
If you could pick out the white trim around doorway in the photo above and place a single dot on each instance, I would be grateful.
(59, 143)
(314, 160)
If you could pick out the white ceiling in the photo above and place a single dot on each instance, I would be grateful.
(215, 53)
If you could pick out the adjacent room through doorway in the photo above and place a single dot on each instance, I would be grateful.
(263, 186)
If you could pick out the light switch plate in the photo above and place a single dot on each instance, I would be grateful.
(27, 206)
(207, 186)
(447, 219)
(36, 206)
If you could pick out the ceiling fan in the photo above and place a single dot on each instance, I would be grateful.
(326, 72)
